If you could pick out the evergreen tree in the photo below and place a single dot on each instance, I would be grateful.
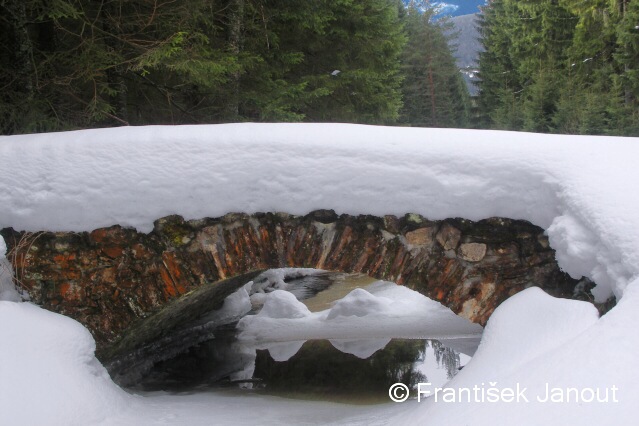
(627, 60)
(589, 91)
(574, 61)
(500, 86)
(119, 62)
(77, 63)
(351, 65)
(524, 64)
(435, 94)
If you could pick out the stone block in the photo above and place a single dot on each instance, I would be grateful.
(473, 252)
(448, 236)
(420, 237)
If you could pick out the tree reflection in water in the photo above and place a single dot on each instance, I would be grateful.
(318, 370)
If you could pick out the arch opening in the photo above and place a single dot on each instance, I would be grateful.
(311, 334)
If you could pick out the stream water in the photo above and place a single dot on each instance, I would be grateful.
(347, 371)
(317, 371)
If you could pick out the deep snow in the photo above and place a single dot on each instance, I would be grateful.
(48, 374)
(581, 189)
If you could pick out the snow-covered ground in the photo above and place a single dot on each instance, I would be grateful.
(581, 189)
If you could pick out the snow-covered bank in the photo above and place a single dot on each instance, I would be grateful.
(579, 188)
(564, 347)
(48, 374)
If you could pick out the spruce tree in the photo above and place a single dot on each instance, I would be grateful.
(627, 60)
(524, 62)
(351, 63)
(500, 85)
(77, 63)
(435, 94)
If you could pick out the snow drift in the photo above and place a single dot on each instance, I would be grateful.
(48, 374)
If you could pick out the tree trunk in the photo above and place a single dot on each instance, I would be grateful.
(236, 16)
(115, 74)
(431, 82)
(23, 47)
(626, 67)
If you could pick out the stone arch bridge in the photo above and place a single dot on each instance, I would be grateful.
(129, 288)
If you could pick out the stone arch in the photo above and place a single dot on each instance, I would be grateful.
(128, 288)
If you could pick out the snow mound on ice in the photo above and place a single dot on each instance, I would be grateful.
(282, 304)
(386, 310)
(358, 303)
(48, 373)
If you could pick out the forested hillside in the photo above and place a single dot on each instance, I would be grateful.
(70, 64)
(562, 66)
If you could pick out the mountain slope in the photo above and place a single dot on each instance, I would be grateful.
(468, 46)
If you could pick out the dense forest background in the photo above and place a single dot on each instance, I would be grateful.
(564, 66)
(567, 66)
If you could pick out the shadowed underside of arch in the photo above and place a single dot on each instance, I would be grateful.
(114, 280)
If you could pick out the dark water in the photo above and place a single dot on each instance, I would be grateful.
(316, 371)
(351, 371)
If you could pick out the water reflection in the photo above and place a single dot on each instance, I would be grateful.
(323, 372)
(342, 371)
(356, 365)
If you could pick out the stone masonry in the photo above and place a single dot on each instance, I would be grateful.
(114, 279)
